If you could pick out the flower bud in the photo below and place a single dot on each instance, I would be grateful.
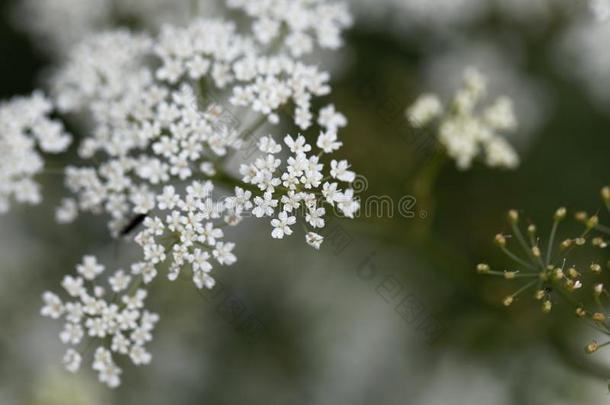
(596, 268)
(598, 317)
(591, 347)
(500, 240)
(599, 242)
(580, 312)
(547, 306)
(572, 285)
(560, 214)
(593, 222)
(483, 268)
(507, 301)
(513, 216)
(536, 251)
(581, 216)
(606, 194)
(510, 275)
(531, 229)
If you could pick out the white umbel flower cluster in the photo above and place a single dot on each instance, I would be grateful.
(161, 125)
(190, 233)
(26, 130)
(166, 120)
(299, 184)
(114, 317)
(464, 129)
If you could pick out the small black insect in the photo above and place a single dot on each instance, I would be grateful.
(548, 290)
(133, 224)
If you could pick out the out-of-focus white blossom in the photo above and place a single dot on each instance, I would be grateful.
(465, 129)
(600, 9)
(505, 76)
(307, 22)
(404, 15)
(46, 20)
(582, 54)
(426, 108)
(26, 130)
(314, 240)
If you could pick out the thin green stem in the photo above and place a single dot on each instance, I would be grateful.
(231, 182)
(524, 288)
(603, 345)
(517, 275)
(549, 250)
(603, 228)
(522, 242)
(517, 258)
(251, 130)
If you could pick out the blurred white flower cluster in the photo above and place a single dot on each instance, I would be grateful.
(165, 119)
(507, 75)
(582, 53)
(600, 9)
(319, 23)
(46, 20)
(465, 129)
(26, 130)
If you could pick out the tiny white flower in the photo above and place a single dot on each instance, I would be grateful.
(72, 360)
(339, 170)
(315, 217)
(298, 145)
(53, 307)
(72, 334)
(314, 240)
(264, 206)
(223, 253)
(73, 285)
(67, 211)
(119, 281)
(282, 225)
(267, 145)
(139, 355)
(327, 141)
(427, 108)
(330, 119)
(90, 268)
